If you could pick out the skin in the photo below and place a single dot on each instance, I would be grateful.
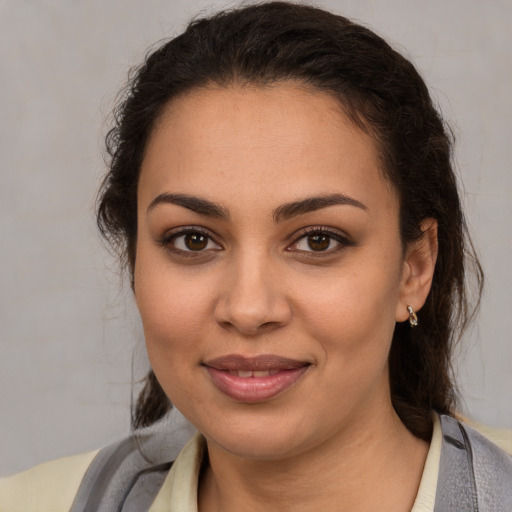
(258, 287)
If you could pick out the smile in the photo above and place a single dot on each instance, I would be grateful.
(255, 379)
(253, 373)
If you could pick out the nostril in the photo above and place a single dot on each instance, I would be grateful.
(269, 325)
(225, 324)
(250, 330)
(251, 310)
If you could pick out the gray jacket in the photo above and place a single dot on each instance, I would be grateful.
(474, 474)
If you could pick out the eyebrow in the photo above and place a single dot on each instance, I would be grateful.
(194, 203)
(311, 204)
(286, 211)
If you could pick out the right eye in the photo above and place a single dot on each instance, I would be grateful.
(190, 241)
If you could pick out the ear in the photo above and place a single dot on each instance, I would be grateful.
(418, 270)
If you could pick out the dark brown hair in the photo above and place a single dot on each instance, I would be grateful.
(384, 95)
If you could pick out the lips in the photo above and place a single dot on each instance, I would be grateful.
(254, 379)
(254, 373)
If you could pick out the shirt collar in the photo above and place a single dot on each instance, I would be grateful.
(179, 491)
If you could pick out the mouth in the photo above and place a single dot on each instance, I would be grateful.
(254, 379)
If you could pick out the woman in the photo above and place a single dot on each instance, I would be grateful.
(280, 189)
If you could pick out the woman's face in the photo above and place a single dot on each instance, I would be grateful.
(269, 270)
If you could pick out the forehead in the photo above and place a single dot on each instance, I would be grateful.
(287, 136)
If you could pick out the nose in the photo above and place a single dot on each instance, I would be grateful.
(253, 297)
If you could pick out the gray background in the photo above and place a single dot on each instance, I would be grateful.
(69, 336)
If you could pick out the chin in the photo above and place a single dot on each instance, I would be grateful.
(254, 446)
(260, 436)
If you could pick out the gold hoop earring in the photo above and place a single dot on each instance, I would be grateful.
(413, 318)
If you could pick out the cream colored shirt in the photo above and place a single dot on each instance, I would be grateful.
(51, 487)
(179, 491)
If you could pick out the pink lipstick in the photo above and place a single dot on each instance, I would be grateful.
(254, 379)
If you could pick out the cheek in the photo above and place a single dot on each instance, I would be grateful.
(353, 313)
(171, 314)
(172, 307)
(352, 322)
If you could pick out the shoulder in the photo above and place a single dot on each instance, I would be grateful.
(492, 468)
(132, 469)
(501, 437)
(474, 473)
(34, 489)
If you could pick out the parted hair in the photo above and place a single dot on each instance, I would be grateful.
(384, 95)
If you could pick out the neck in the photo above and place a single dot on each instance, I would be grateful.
(377, 467)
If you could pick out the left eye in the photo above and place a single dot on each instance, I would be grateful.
(318, 242)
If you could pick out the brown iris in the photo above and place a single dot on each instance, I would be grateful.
(196, 241)
(319, 242)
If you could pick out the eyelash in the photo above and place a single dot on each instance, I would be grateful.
(343, 241)
(169, 238)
